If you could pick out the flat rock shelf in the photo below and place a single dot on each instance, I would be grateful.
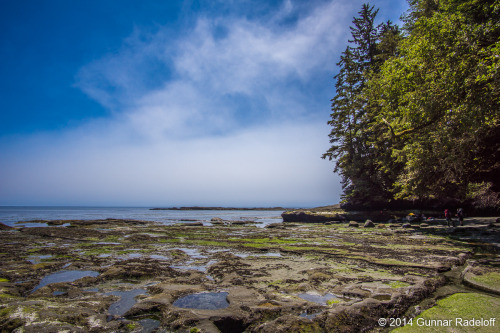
(141, 276)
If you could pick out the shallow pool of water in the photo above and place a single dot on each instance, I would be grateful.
(131, 255)
(159, 257)
(64, 276)
(203, 301)
(38, 259)
(189, 265)
(317, 298)
(126, 302)
(148, 325)
(310, 315)
(193, 253)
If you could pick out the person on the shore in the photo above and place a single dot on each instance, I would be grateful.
(447, 215)
(460, 215)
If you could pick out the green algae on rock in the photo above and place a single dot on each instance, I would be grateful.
(460, 312)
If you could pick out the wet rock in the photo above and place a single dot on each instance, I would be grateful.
(56, 222)
(353, 224)
(138, 268)
(67, 233)
(406, 225)
(310, 217)
(319, 277)
(369, 224)
(241, 222)
(191, 224)
(288, 323)
(275, 226)
(138, 238)
(226, 268)
(5, 227)
(356, 292)
(261, 288)
(216, 219)
(485, 278)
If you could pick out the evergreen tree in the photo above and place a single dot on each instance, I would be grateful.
(350, 134)
(438, 99)
(417, 117)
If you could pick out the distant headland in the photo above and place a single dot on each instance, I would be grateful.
(222, 208)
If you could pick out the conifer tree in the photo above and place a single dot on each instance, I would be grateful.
(350, 134)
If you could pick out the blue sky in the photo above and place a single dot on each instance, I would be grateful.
(164, 103)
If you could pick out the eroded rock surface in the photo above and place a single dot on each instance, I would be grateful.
(300, 277)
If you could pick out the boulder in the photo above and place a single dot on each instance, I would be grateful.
(353, 224)
(369, 224)
(406, 225)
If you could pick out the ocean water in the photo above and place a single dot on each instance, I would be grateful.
(11, 215)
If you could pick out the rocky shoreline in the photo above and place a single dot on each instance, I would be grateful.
(335, 213)
(132, 276)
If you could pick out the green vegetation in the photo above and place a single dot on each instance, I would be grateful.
(132, 326)
(111, 238)
(416, 115)
(489, 279)
(4, 280)
(5, 312)
(461, 305)
(334, 301)
(398, 284)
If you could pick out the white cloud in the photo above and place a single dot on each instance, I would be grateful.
(255, 60)
(235, 121)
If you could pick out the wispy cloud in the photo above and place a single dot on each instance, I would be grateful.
(217, 68)
(230, 111)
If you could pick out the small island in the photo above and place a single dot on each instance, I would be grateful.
(221, 208)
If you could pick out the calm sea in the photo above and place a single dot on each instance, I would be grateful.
(11, 215)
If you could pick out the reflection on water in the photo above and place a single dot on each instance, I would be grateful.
(148, 325)
(37, 259)
(159, 257)
(193, 253)
(126, 302)
(64, 276)
(310, 315)
(317, 298)
(188, 266)
(203, 301)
